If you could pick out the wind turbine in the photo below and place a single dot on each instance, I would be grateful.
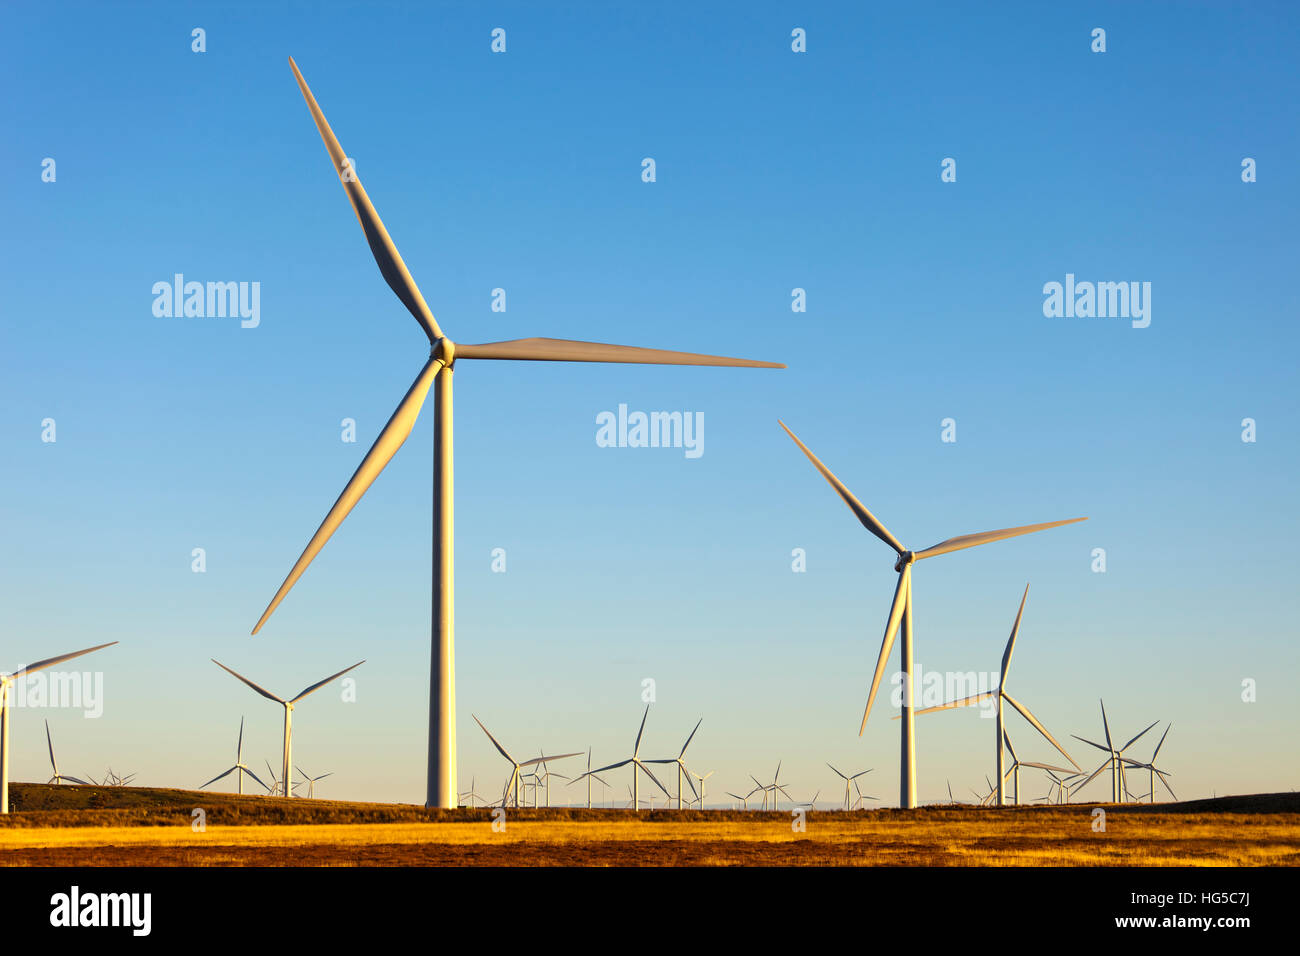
(900, 611)
(680, 761)
(239, 767)
(437, 371)
(6, 682)
(1155, 771)
(1114, 759)
(637, 763)
(288, 706)
(811, 804)
(847, 781)
(1003, 696)
(1063, 785)
(744, 801)
(700, 780)
(773, 787)
(276, 784)
(544, 778)
(590, 776)
(515, 765)
(58, 777)
(471, 796)
(862, 797)
(311, 781)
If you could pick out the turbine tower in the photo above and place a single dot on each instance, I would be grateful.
(1004, 697)
(437, 374)
(900, 611)
(6, 682)
(287, 771)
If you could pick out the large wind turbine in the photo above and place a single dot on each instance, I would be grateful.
(6, 682)
(287, 771)
(680, 761)
(437, 370)
(59, 778)
(1003, 696)
(901, 609)
(239, 767)
(515, 765)
(637, 763)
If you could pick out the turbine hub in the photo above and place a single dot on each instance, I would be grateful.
(904, 559)
(445, 351)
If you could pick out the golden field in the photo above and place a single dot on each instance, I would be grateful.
(88, 826)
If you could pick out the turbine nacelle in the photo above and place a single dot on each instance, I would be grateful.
(904, 559)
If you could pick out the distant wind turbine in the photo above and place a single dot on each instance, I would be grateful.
(1114, 758)
(637, 764)
(6, 682)
(1002, 696)
(288, 705)
(58, 778)
(900, 611)
(239, 767)
(848, 781)
(515, 766)
(311, 781)
(1153, 770)
(680, 761)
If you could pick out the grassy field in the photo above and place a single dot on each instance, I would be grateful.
(88, 826)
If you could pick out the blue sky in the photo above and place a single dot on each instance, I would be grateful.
(775, 170)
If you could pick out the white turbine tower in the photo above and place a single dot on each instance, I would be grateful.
(1155, 771)
(900, 611)
(700, 780)
(1003, 697)
(512, 785)
(680, 761)
(288, 705)
(848, 782)
(6, 682)
(239, 767)
(637, 764)
(437, 371)
(58, 778)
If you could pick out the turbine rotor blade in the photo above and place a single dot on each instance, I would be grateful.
(637, 749)
(1024, 712)
(214, 779)
(381, 453)
(51, 661)
(985, 537)
(261, 690)
(1153, 756)
(381, 244)
(1131, 742)
(569, 350)
(496, 743)
(1011, 641)
(690, 738)
(869, 521)
(964, 702)
(887, 645)
(321, 683)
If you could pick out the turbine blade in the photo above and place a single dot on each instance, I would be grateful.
(380, 454)
(690, 738)
(261, 690)
(1024, 712)
(1164, 781)
(964, 702)
(321, 683)
(985, 537)
(869, 521)
(637, 749)
(1045, 766)
(1097, 745)
(255, 777)
(1006, 739)
(381, 244)
(655, 779)
(1131, 742)
(84, 784)
(837, 773)
(1106, 726)
(51, 661)
(49, 740)
(1011, 641)
(537, 760)
(496, 744)
(214, 779)
(568, 350)
(239, 747)
(887, 645)
(1153, 756)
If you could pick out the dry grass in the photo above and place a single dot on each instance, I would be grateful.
(87, 826)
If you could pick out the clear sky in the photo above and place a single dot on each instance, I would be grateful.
(775, 170)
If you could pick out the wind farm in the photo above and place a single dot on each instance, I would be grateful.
(831, 277)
